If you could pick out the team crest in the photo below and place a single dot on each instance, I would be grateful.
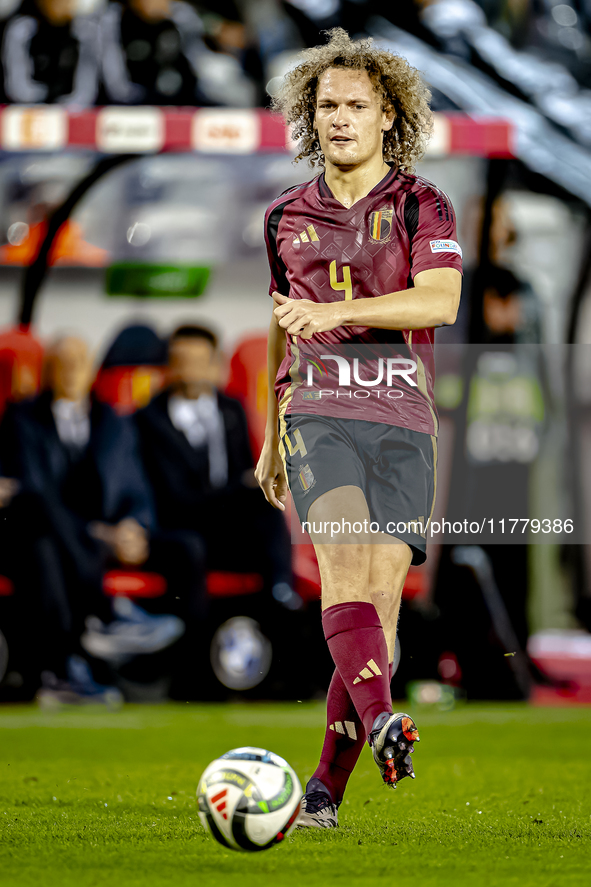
(306, 478)
(380, 225)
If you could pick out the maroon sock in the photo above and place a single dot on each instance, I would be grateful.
(357, 645)
(343, 741)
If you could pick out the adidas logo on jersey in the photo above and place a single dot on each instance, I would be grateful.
(346, 728)
(371, 670)
(307, 236)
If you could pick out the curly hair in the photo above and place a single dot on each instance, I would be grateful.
(400, 86)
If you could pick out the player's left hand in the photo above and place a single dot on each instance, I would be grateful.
(301, 317)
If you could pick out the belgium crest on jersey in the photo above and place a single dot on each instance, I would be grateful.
(380, 224)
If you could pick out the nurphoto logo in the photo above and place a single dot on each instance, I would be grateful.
(387, 369)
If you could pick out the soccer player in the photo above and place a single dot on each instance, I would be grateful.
(364, 256)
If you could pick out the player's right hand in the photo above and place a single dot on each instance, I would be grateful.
(270, 475)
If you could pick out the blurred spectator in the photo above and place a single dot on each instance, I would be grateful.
(234, 32)
(556, 54)
(194, 440)
(83, 504)
(306, 21)
(312, 17)
(51, 55)
(149, 48)
(136, 344)
(504, 309)
(133, 369)
(7, 7)
(558, 28)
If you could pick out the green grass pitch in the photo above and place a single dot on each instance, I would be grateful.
(88, 798)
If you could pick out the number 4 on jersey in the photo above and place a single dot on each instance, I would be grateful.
(345, 283)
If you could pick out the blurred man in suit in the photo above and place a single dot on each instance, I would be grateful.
(194, 441)
(83, 504)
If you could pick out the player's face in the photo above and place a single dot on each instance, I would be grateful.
(349, 119)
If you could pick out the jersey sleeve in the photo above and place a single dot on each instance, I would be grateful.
(431, 226)
(278, 270)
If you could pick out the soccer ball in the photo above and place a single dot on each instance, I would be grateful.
(249, 799)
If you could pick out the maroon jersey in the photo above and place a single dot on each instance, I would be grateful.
(321, 250)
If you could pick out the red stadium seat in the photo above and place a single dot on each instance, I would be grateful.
(247, 382)
(128, 388)
(133, 583)
(306, 572)
(21, 361)
(416, 585)
(224, 584)
(6, 586)
(137, 584)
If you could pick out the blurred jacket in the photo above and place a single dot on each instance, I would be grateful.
(104, 483)
(50, 58)
(151, 61)
(178, 472)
